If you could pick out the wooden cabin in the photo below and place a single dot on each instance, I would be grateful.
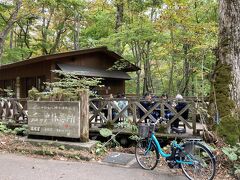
(22, 76)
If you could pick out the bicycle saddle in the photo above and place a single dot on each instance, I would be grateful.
(179, 130)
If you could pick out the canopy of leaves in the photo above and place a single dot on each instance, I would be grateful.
(171, 41)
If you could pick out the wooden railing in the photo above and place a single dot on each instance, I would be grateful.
(102, 111)
(13, 109)
(106, 110)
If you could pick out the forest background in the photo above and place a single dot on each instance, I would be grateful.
(173, 41)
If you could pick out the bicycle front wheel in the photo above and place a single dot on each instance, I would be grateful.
(201, 162)
(146, 154)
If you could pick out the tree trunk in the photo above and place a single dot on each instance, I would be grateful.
(45, 26)
(229, 43)
(170, 83)
(119, 15)
(186, 72)
(76, 32)
(60, 30)
(137, 56)
(226, 91)
(9, 24)
(119, 21)
(147, 84)
(11, 40)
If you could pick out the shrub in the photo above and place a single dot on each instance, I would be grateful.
(233, 154)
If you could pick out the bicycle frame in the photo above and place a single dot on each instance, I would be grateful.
(165, 155)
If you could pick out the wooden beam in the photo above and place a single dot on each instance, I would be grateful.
(84, 116)
(145, 111)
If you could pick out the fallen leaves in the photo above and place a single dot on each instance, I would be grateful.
(13, 144)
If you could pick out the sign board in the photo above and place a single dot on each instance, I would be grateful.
(56, 118)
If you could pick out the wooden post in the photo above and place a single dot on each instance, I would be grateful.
(194, 114)
(162, 109)
(1, 111)
(109, 118)
(17, 87)
(84, 116)
(134, 112)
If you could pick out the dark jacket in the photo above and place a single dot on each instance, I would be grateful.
(178, 108)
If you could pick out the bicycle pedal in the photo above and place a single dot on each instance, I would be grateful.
(171, 164)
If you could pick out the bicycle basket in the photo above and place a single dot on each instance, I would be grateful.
(143, 130)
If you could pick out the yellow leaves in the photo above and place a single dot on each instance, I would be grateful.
(174, 3)
(97, 5)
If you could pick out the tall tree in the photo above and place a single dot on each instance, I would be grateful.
(119, 20)
(229, 43)
(226, 86)
(8, 24)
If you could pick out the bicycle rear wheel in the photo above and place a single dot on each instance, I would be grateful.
(146, 155)
(204, 164)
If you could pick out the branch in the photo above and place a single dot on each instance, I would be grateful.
(10, 22)
(4, 19)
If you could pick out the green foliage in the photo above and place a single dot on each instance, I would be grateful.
(150, 31)
(16, 131)
(105, 132)
(100, 149)
(134, 138)
(128, 125)
(33, 94)
(71, 81)
(233, 154)
(4, 129)
(21, 130)
(67, 87)
(120, 65)
(113, 142)
(101, 25)
(15, 54)
(9, 92)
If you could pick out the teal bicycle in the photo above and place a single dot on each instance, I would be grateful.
(195, 158)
